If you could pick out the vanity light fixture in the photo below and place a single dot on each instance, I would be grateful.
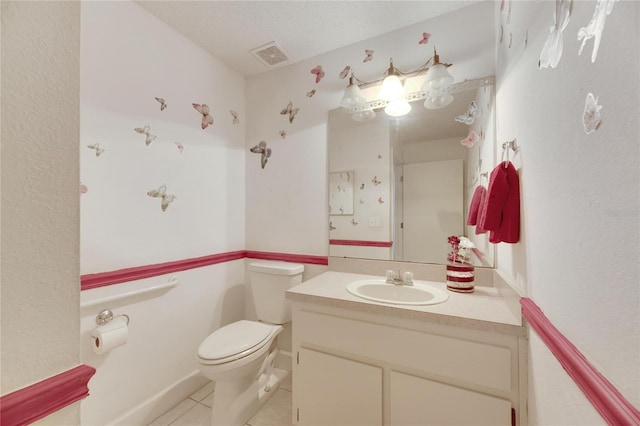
(393, 96)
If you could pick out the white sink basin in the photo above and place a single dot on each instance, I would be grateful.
(379, 290)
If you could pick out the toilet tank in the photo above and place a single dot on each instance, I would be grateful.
(269, 281)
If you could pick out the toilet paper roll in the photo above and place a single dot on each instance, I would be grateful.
(109, 336)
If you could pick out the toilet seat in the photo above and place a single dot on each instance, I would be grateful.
(235, 341)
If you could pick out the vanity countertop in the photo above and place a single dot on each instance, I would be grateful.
(485, 309)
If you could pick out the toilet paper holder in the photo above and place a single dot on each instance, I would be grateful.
(106, 315)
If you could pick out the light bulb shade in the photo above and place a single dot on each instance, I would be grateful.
(352, 97)
(365, 115)
(391, 89)
(438, 77)
(397, 108)
(438, 99)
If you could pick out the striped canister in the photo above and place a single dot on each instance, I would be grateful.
(460, 277)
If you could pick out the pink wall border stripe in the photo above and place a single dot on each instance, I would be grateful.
(102, 279)
(361, 243)
(34, 402)
(609, 402)
(287, 257)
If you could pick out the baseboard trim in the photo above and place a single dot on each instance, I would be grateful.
(155, 406)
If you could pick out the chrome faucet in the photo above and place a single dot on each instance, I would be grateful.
(399, 279)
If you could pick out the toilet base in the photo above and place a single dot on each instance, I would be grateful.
(235, 402)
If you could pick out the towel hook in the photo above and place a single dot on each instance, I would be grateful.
(505, 150)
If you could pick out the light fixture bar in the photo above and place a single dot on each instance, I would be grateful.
(420, 95)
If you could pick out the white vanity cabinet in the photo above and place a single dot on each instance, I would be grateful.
(355, 367)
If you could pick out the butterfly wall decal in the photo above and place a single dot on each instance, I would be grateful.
(83, 188)
(165, 198)
(353, 222)
(234, 114)
(163, 104)
(179, 146)
(595, 27)
(425, 38)
(376, 181)
(204, 110)
(97, 147)
(591, 117)
(552, 50)
(470, 140)
(380, 200)
(291, 111)
(345, 72)
(331, 227)
(319, 73)
(265, 152)
(282, 134)
(310, 93)
(369, 55)
(146, 132)
(470, 116)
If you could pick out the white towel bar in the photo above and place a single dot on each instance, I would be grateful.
(171, 283)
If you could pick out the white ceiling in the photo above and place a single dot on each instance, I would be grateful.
(230, 29)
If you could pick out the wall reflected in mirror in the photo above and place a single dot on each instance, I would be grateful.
(413, 178)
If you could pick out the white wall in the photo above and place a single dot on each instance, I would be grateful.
(121, 226)
(579, 249)
(40, 206)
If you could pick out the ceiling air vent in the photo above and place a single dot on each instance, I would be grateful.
(271, 55)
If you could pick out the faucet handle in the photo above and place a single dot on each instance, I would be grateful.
(407, 278)
(390, 275)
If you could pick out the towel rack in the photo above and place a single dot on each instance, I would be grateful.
(170, 284)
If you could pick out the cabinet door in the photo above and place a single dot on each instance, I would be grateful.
(422, 402)
(337, 391)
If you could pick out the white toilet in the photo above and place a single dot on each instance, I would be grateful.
(240, 357)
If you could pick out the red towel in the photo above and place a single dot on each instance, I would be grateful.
(474, 208)
(501, 211)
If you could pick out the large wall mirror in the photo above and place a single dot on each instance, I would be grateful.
(414, 175)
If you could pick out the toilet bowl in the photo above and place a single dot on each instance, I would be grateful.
(240, 357)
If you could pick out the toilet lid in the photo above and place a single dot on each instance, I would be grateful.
(234, 339)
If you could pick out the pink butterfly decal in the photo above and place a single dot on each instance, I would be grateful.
(97, 147)
(470, 140)
(265, 152)
(310, 93)
(161, 193)
(83, 188)
(204, 110)
(380, 200)
(369, 56)
(291, 111)
(319, 73)
(163, 104)
(345, 72)
(234, 114)
(283, 134)
(425, 38)
(148, 136)
(179, 146)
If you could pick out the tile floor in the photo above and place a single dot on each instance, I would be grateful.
(196, 410)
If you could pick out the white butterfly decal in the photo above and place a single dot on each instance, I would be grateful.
(179, 146)
(331, 227)
(552, 49)
(470, 140)
(376, 181)
(595, 27)
(283, 134)
(310, 93)
(469, 117)
(369, 56)
(353, 222)
(162, 194)
(291, 111)
(591, 118)
(204, 110)
(163, 104)
(148, 136)
(96, 146)
(265, 152)
(345, 72)
(234, 114)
